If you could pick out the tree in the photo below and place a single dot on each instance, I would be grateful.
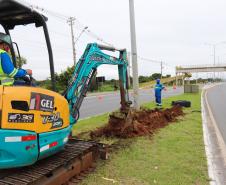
(63, 78)
(143, 79)
(156, 76)
(20, 61)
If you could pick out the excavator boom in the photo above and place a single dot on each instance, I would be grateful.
(85, 70)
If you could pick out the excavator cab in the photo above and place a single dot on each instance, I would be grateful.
(12, 14)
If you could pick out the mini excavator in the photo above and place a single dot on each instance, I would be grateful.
(34, 122)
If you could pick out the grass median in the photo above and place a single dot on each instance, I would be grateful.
(173, 155)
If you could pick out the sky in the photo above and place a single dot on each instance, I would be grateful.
(176, 32)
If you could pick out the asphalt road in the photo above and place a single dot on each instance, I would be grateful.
(216, 97)
(102, 103)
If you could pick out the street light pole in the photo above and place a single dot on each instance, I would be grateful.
(134, 56)
(214, 54)
(84, 29)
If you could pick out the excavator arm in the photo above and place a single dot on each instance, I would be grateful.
(85, 70)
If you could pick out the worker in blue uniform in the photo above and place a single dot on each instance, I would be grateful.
(7, 70)
(158, 92)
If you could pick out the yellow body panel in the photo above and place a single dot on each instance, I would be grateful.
(43, 120)
(1, 92)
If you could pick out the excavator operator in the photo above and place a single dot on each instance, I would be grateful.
(7, 70)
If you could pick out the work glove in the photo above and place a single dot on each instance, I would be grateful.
(29, 71)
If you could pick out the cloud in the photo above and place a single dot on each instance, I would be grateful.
(173, 31)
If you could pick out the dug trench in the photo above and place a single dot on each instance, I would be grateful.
(137, 123)
(121, 128)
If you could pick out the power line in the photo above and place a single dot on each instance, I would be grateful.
(90, 33)
(40, 46)
(64, 19)
(55, 14)
(44, 44)
(150, 60)
(156, 61)
(58, 33)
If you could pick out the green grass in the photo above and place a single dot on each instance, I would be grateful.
(194, 98)
(106, 88)
(174, 155)
(90, 124)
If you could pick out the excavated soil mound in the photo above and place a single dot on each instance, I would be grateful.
(139, 123)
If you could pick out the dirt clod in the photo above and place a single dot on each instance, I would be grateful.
(137, 123)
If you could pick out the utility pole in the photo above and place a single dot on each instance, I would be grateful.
(134, 56)
(71, 22)
(161, 69)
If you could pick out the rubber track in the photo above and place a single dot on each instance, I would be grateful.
(29, 175)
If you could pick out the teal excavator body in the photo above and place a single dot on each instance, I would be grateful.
(26, 117)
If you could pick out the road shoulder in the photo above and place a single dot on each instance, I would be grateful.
(214, 144)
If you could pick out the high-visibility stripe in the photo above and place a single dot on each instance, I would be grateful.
(20, 138)
(7, 80)
(47, 147)
(2, 51)
(13, 73)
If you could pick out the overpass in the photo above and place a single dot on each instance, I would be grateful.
(201, 68)
(204, 68)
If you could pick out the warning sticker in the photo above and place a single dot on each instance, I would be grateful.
(20, 118)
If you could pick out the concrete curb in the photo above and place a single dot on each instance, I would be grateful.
(206, 138)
